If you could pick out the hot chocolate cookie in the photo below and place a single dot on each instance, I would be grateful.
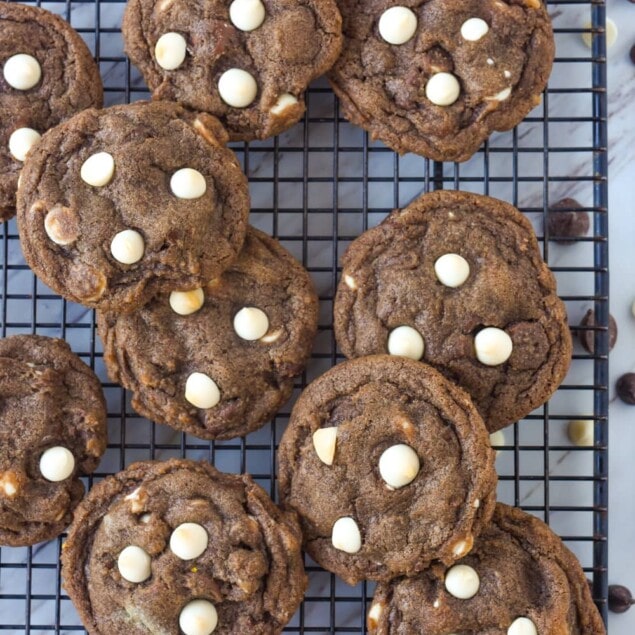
(389, 466)
(178, 547)
(437, 77)
(119, 204)
(519, 579)
(48, 74)
(248, 62)
(218, 361)
(457, 280)
(52, 432)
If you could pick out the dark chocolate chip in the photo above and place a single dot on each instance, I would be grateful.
(620, 598)
(626, 388)
(567, 219)
(587, 337)
(633, 48)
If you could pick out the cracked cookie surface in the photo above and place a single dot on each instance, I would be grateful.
(248, 333)
(119, 204)
(52, 432)
(48, 74)
(528, 582)
(494, 325)
(370, 446)
(248, 62)
(149, 542)
(436, 77)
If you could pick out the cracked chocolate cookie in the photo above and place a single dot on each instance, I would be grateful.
(119, 204)
(389, 467)
(519, 579)
(52, 432)
(248, 62)
(457, 280)
(437, 77)
(178, 547)
(48, 74)
(218, 361)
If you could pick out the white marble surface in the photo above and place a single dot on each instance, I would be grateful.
(382, 194)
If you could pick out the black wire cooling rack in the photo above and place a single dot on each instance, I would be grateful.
(316, 188)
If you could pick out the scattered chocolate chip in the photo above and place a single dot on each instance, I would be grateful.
(626, 388)
(587, 337)
(620, 598)
(572, 222)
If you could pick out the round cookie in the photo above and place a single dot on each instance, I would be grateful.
(457, 280)
(48, 74)
(248, 62)
(389, 467)
(161, 544)
(437, 77)
(218, 362)
(520, 579)
(52, 432)
(119, 204)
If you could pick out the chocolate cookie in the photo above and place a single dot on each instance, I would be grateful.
(248, 61)
(218, 362)
(52, 432)
(48, 74)
(389, 466)
(172, 545)
(119, 204)
(457, 280)
(437, 77)
(519, 579)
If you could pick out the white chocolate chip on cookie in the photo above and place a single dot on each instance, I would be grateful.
(443, 89)
(61, 225)
(134, 564)
(187, 302)
(170, 51)
(324, 442)
(346, 536)
(286, 100)
(247, 15)
(406, 342)
(127, 247)
(522, 626)
(188, 541)
(452, 270)
(398, 25)
(399, 465)
(98, 169)
(21, 141)
(199, 617)
(493, 346)
(22, 71)
(188, 183)
(237, 88)
(251, 323)
(474, 29)
(201, 391)
(462, 582)
(57, 464)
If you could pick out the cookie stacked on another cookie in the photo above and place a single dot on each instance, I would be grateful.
(48, 74)
(457, 280)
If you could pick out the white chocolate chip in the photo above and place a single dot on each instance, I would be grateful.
(286, 100)
(581, 432)
(22, 71)
(57, 464)
(476, 504)
(474, 29)
(247, 15)
(349, 281)
(127, 247)
(443, 89)
(134, 564)
(497, 439)
(462, 582)
(187, 302)
(61, 225)
(399, 465)
(611, 33)
(463, 547)
(170, 51)
(199, 617)
(452, 270)
(436, 604)
(346, 535)
(251, 323)
(98, 169)
(138, 499)
(188, 541)
(21, 141)
(272, 337)
(493, 346)
(490, 61)
(324, 442)
(188, 183)
(406, 342)
(145, 518)
(507, 74)
(522, 626)
(237, 88)
(397, 25)
(201, 391)
(374, 614)
(9, 483)
(502, 96)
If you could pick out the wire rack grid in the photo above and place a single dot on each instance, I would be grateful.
(316, 188)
